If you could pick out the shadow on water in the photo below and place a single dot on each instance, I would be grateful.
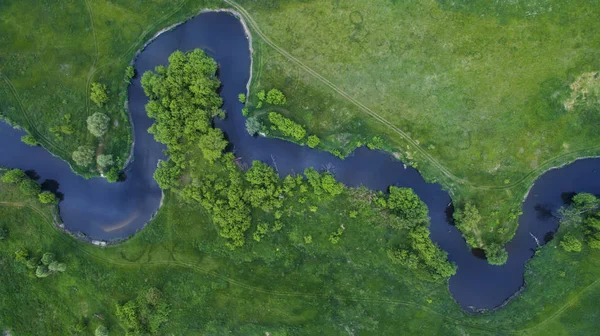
(92, 204)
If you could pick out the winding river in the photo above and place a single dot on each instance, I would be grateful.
(107, 211)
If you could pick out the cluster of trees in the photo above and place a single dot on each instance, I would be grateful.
(409, 213)
(273, 97)
(145, 314)
(581, 223)
(286, 126)
(183, 100)
(45, 266)
(66, 127)
(468, 220)
(27, 186)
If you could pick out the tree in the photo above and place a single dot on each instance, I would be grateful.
(29, 140)
(55, 266)
(29, 187)
(33, 263)
(585, 202)
(253, 126)
(467, 219)
(104, 161)
(13, 176)
(408, 208)
(313, 141)
(101, 331)
(242, 98)
(496, 254)
(570, 243)
(3, 233)
(287, 126)
(99, 94)
(261, 95)
(42, 271)
(83, 156)
(97, 124)
(47, 258)
(212, 144)
(21, 255)
(330, 185)
(129, 74)
(167, 175)
(276, 97)
(47, 197)
(112, 175)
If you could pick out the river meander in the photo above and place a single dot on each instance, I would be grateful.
(108, 211)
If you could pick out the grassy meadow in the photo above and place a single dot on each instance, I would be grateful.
(281, 285)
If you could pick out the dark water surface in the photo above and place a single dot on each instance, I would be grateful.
(106, 211)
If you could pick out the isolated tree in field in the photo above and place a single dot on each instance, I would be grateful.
(97, 124)
(13, 176)
(47, 258)
(105, 160)
(570, 243)
(29, 187)
(29, 140)
(313, 141)
(99, 94)
(253, 126)
(47, 197)
(276, 97)
(83, 156)
(101, 331)
(212, 144)
(42, 271)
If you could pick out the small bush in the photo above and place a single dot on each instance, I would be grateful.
(29, 140)
(129, 74)
(313, 141)
(99, 94)
(47, 197)
(253, 126)
(242, 98)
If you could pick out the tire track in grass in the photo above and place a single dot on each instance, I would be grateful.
(342, 93)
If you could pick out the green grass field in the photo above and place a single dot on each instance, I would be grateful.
(281, 286)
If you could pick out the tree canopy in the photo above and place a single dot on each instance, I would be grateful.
(99, 94)
(83, 156)
(97, 124)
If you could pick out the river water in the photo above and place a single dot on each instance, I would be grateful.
(107, 211)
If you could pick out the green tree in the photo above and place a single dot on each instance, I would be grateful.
(167, 175)
(99, 94)
(104, 161)
(83, 156)
(47, 197)
(97, 124)
(313, 141)
(287, 126)
(276, 97)
(253, 126)
(47, 258)
(101, 331)
(21, 255)
(30, 187)
(13, 176)
(42, 271)
(496, 254)
(330, 185)
(261, 95)
(33, 263)
(212, 144)
(570, 243)
(242, 98)
(467, 220)
(585, 202)
(55, 266)
(112, 175)
(129, 74)
(3, 233)
(408, 208)
(29, 140)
